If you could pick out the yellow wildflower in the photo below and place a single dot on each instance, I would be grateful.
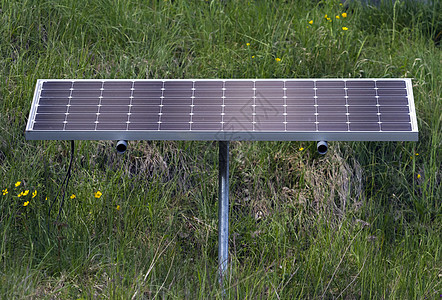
(278, 59)
(329, 19)
(17, 184)
(344, 28)
(98, 194)
(310, 22)
(301, 149)
(26, 203)
(418, 176)
(326, 16)
(73, 196)
(417, 154)
(118, 207)
(344, 15)
(248, 44)
(337, 17)
(34, 194)
(26, 193)
(19, 195)
(4, 192)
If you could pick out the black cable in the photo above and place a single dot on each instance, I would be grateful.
(65, 184)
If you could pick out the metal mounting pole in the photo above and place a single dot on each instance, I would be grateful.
(223, 211)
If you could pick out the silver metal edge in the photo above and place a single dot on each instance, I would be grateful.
(230, 79)
(413, 116)
(224, 136)
(33, 110)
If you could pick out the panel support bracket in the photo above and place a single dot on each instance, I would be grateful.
(223, 212)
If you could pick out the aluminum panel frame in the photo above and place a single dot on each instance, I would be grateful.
(32, 134)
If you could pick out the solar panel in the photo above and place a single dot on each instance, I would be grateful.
(223, 109)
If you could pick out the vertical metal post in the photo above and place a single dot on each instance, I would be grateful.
(223, 211)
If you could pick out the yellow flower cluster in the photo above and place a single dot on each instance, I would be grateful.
(343, 15)
(25, 193)
(33, 194)
(21, 194)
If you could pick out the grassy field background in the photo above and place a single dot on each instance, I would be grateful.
(362, 222)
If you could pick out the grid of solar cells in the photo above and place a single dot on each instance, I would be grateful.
(351, 105)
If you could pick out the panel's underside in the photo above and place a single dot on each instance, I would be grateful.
(209, 109)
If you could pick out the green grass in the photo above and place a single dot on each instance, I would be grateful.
(362, 222)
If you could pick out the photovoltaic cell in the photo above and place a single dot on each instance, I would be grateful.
(215, 109)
